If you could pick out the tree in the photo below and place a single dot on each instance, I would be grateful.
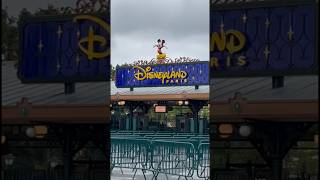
(113, 72)
(51, 10)
(24, 14)
(9, 35)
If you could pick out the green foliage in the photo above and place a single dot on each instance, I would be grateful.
(9, 35)
(113, 72)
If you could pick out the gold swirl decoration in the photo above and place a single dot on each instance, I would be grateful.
(92, 38)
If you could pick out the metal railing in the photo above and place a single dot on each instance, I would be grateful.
(183, 155)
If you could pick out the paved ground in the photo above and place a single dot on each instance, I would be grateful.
(128, 174)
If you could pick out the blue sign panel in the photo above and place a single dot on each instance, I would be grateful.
(263, 40)
(65, 49)
(182, 74)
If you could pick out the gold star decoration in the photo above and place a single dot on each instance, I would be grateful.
(244, 18)
(78, 33)
(78, 59)
(266, 52)
(58, 66)
(221, 25)
(59, 32)
(40, 46)
(267, 23)
(290, 33)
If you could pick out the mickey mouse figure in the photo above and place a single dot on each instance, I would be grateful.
(160, 56)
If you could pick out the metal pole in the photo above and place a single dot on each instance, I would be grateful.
(276, 168)
(69, 88)
(277, 81)
(67, 155)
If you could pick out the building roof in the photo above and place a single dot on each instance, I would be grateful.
(296, 88)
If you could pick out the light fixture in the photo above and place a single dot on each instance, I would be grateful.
(121, 103)
(112, 112)
(9, 159)
(186, 103)
(40, 131)
(225, 130)
(180, 103)
(30, 132)
(245, 130)
(3, 139)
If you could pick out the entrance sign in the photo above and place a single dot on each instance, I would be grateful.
(69, 48)
(178, 74)
(263, 40)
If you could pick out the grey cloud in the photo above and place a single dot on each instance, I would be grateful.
(182, 16)
(125, 49)
(137, 24)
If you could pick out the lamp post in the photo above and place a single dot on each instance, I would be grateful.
(135, 116)
(127, 112)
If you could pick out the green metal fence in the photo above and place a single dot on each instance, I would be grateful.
(176, 154)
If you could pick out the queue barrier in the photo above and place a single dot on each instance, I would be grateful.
(178, 155)
(130, 153)
(174, 158)
(203, 170)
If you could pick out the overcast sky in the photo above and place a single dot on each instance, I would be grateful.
(137, 24)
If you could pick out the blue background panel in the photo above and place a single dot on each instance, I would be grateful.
(285, 57)
(60, 58)
(198, 74)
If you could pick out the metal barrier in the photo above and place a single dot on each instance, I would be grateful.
(175, 158)
(203, 170)
(182, 155)
(130, 153)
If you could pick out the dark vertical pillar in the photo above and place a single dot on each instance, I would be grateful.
(107, 152)
(276, 168)
(131, 116)
(195, 107)
(277, 81)
(69, 88)
(67, 154)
